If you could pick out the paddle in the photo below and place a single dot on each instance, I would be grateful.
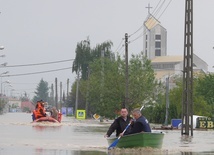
(117, 140)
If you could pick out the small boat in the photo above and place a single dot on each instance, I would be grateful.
(143, 139)
(46, 119)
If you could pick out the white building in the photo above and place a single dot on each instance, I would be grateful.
(154, 40)
(155, 48)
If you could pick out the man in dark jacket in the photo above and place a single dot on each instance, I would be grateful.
(120, 123)
(140, 124)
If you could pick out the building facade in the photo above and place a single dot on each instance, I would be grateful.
(155, 38)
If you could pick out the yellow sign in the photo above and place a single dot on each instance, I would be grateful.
(80, 114)
(96, 116)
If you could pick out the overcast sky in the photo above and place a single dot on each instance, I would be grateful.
(39, 31)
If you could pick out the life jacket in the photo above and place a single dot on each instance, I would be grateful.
(59, 117)
(39, 111)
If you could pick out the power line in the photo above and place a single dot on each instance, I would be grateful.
(159, 8)
(143, 24)
(156, 7)
(45, 63)
(152, 23)
(36, 72)
(165, 9)
(119, 45)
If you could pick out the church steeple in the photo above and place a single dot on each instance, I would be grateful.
(148, 7)
(154, 39)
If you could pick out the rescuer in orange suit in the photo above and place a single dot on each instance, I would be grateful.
(39, 111)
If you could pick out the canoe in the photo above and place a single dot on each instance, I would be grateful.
(46, 119)
(143, 139)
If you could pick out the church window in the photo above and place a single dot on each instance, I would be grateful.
(157, 44)
(157, 52)
(157, 37)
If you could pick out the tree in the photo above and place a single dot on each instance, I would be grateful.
(107, 84)
(41, 91)
(142, 81)
(2, 105)
(85, 55)
(106, 92)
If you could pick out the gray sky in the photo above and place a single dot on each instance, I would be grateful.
(38, 31)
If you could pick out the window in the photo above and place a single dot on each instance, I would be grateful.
(146, 37)
(157, 37)
(146, 44)
(157, 52)
(157, 44)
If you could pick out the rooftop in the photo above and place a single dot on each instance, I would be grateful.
(166, 59)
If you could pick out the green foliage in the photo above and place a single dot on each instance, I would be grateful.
(107, 84)
(41, 91)
(205, 89)
(141, 80)
(103, 78)
(85, 55)
(2, 105)
(106, 91)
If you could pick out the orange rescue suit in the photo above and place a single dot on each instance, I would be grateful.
(39, 111)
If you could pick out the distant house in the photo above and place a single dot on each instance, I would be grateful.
(27, 105)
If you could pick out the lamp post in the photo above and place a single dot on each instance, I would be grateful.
(7, 86)
(1, 47)
(4, 82)
(1, 79)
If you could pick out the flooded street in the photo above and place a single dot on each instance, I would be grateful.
(80, 137)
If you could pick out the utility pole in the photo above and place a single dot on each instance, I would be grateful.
(187, 106)
(56, 96)
(77, 94)
(67, 88)
(87, 93)
(60, 96)
(52, 94)
(167, 101)
(127, 72)
(102, 76)
(67, 96)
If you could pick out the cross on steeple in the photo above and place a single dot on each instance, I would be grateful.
(148, 7)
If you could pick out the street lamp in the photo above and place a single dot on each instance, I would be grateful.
(11, 92)
(1, 47)
(7, 86)
(4, 73)
(4, 64)
(4, 82)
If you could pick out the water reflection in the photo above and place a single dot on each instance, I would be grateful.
(41, 151)
(46, 128)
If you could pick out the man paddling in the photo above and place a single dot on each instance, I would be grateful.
(120, 123)
(141, 124)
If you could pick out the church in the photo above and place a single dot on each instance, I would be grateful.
(155, 48)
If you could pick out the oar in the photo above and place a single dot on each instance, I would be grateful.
(114, 144)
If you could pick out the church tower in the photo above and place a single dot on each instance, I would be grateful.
(155, 38)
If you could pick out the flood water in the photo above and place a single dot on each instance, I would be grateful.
(85, 137)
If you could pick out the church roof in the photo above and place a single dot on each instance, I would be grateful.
(151, 22)
(167, 59)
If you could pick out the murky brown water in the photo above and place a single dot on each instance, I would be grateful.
(74, 137)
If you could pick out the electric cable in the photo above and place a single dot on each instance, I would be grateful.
(37, 72)
(45, 63)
